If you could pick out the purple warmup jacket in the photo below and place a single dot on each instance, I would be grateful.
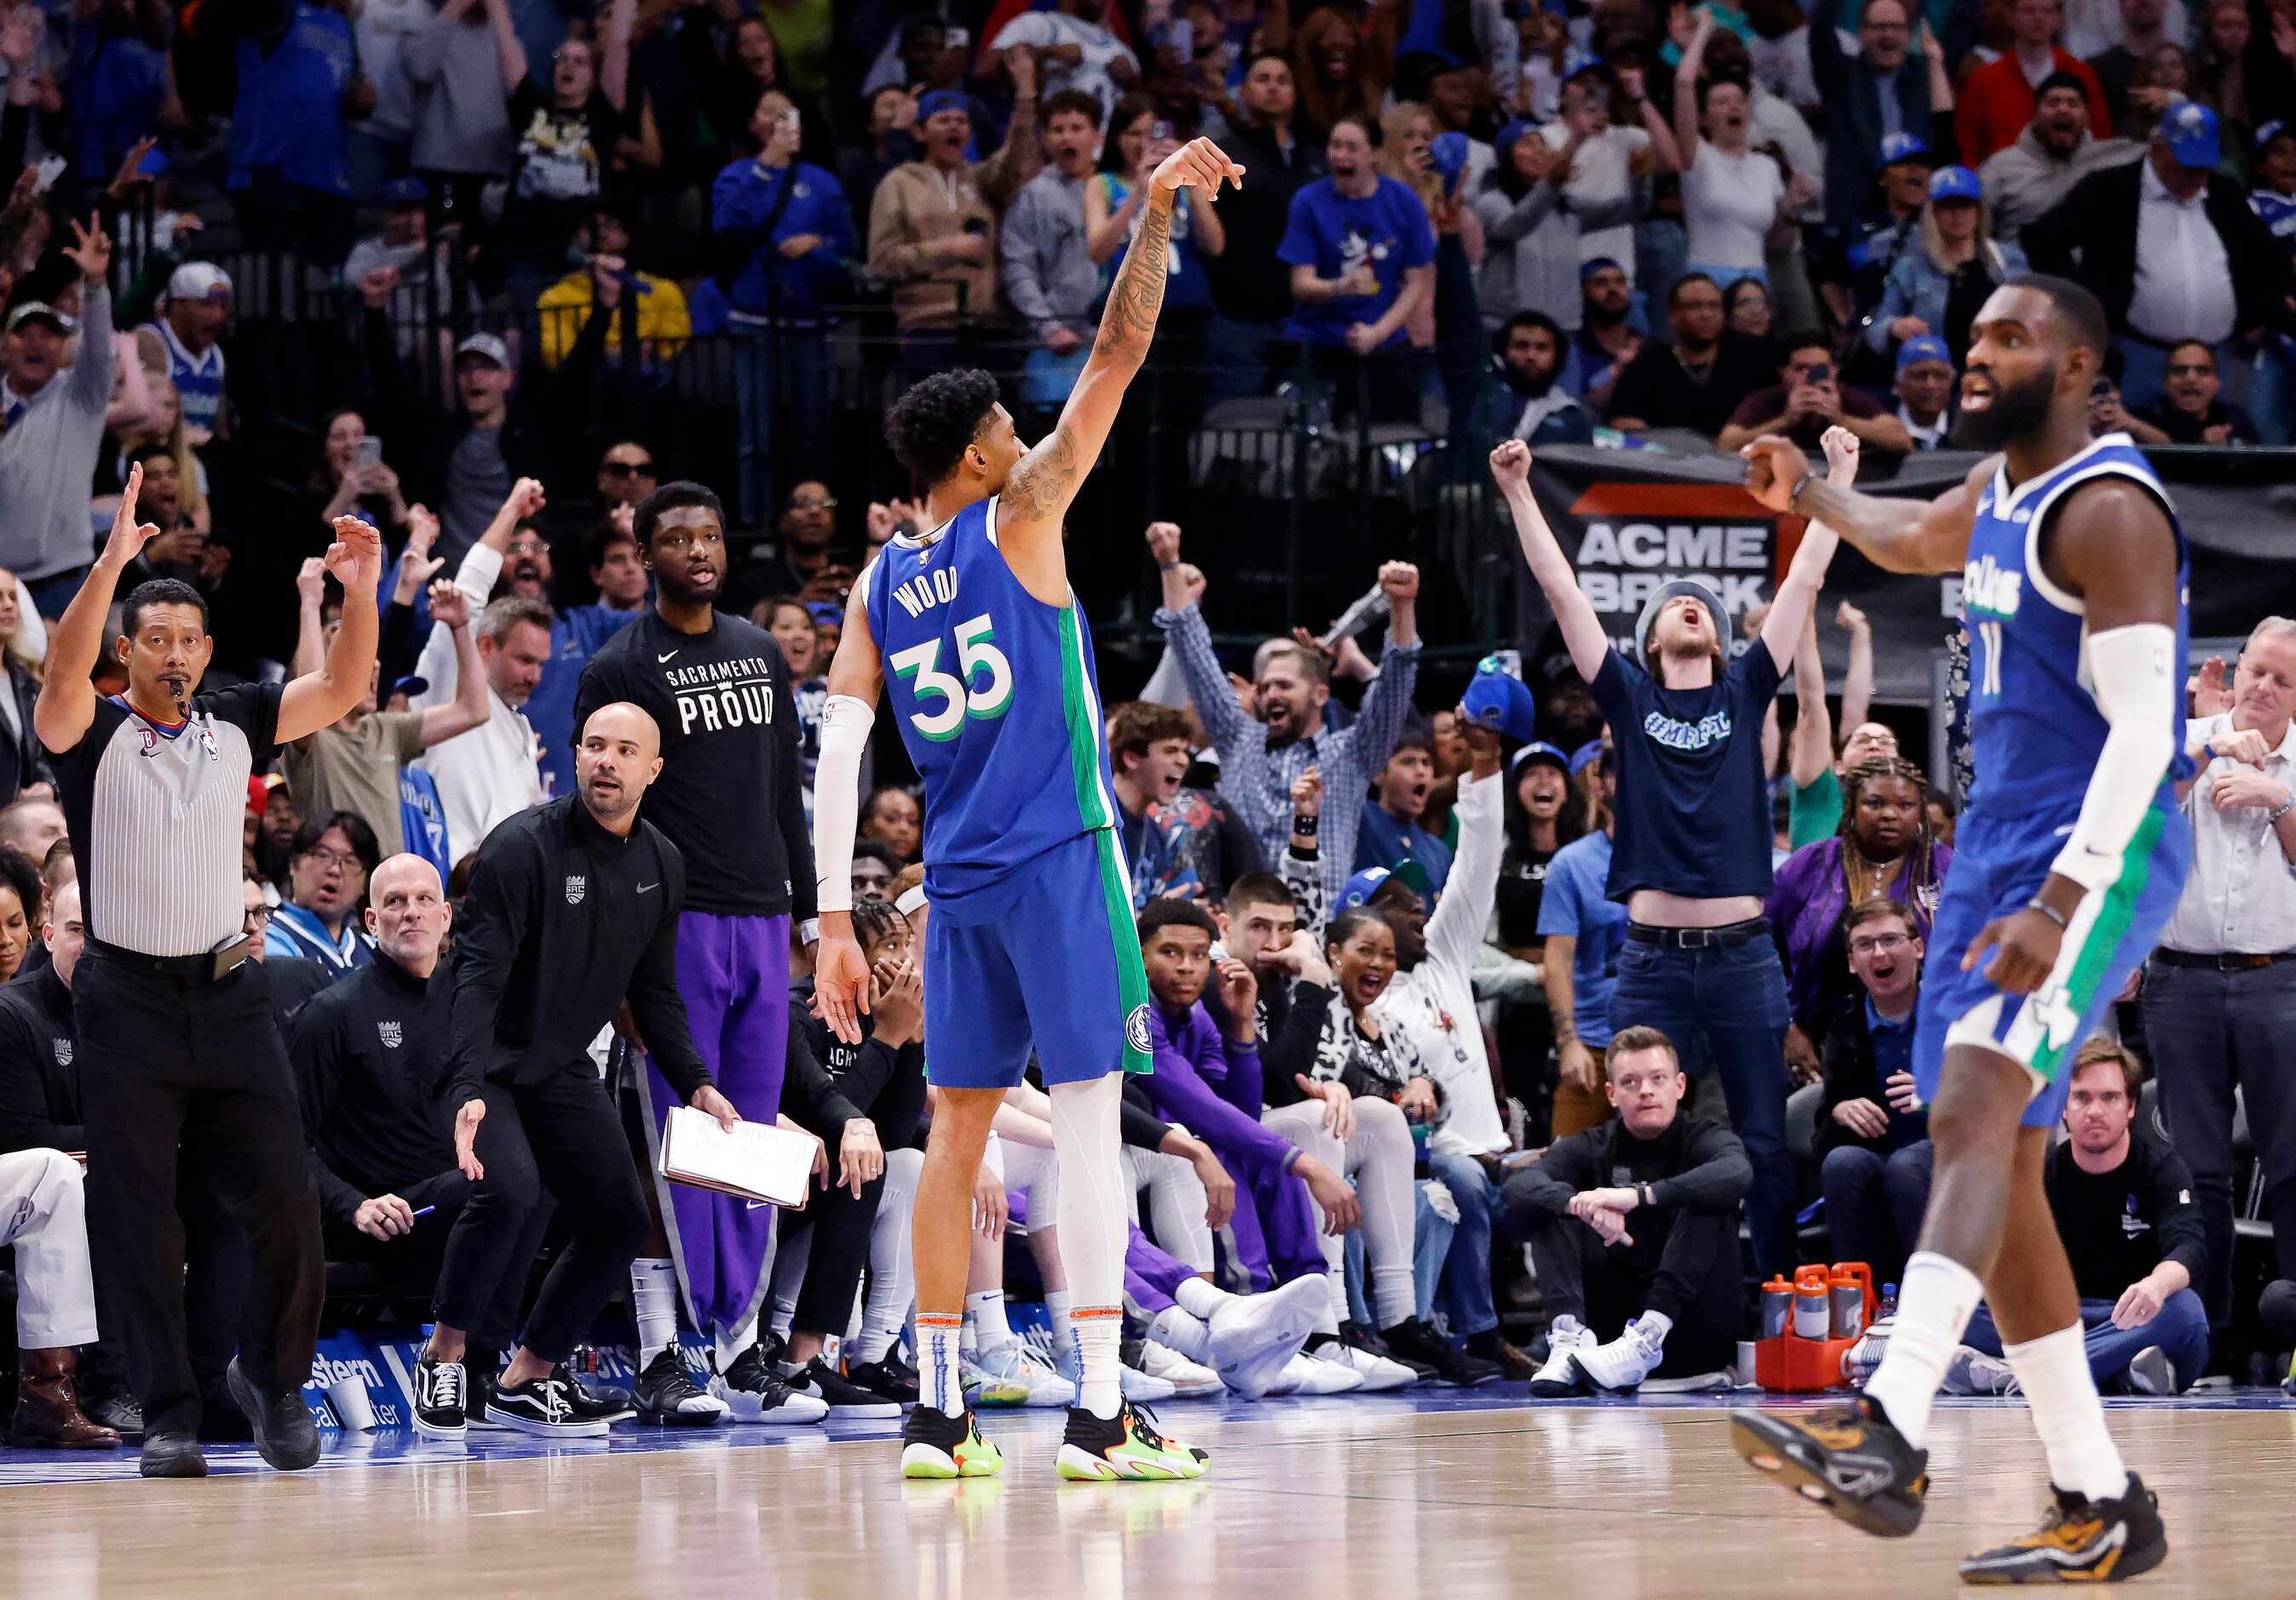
(1807, 896)
(1212, 1087)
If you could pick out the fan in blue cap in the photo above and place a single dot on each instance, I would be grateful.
(1359, 889)
(2189, 128)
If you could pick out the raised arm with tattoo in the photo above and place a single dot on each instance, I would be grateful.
(1037, 493)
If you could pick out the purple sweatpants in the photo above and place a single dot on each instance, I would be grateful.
(733, 972)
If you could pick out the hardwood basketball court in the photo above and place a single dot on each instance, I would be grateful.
(1448, 1496)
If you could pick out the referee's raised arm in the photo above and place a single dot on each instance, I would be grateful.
(319, 698)
(66, 702)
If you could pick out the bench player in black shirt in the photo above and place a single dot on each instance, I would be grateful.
(731, 798)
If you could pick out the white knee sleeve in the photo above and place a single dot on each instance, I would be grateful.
(1091, 1212)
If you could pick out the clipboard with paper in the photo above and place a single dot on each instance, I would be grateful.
(756, 1161)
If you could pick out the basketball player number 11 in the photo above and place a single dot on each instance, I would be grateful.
(1990, 632)
(959, 698)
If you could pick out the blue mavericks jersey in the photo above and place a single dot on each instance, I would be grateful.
(998, 701)
(2035, 729)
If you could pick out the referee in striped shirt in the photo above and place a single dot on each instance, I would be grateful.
(180, 1058)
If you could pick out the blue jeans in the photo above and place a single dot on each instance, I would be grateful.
(1466, 1283)
(1874, 1205)
(1431, 1246)
(2181, 1330)
(51, 593)
(1732, 996)
(1240, 355)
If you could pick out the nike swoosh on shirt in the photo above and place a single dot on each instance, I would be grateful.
(664, 658)
(648, 888)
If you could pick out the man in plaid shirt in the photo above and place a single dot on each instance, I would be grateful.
(1260, 759)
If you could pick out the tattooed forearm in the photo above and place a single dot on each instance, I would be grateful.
(1129, 323)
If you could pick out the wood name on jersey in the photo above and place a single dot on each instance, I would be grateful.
(926, 589)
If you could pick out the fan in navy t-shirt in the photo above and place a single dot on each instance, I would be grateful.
(1691, 855)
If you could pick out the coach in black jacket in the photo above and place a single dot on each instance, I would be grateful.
(1634, 1219)
(573, 909)
(2098, 222)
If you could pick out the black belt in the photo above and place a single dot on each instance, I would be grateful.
(2220, 963)
(189, 971)
(1700, 939)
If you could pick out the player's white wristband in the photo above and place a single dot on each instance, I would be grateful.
(845, 725)
(2133, 677)
(912, 901)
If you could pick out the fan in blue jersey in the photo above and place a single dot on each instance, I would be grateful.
(2069, 860)
(972, 631)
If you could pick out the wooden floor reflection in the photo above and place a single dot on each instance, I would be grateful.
(1321, 1499)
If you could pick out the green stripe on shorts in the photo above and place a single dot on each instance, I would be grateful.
(2104, 935)
(1131, 971)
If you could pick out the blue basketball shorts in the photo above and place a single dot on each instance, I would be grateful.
(1047, 959)
(1999, 865)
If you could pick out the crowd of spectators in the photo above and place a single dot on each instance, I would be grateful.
(1390, 963)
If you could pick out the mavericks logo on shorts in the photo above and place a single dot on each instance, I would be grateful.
(577, 886)
(1135, 1029)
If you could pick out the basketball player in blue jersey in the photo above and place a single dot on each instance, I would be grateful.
(2068, 862)
(973, 630)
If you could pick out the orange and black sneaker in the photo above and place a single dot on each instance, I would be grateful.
(1849, 1458)
(2081, 1540)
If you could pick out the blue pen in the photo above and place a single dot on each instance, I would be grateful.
(426, 1210)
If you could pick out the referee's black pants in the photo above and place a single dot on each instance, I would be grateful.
(562, 1136)
(180, 1071)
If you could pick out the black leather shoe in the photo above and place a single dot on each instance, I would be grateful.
(285, 1436)
(168, 1453)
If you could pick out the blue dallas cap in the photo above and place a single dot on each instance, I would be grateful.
(1954, 183)
(1496, 700)
(1449, 156)
(2190, 128)
(1587, 754)
(1929, 346)
(2277, 128)
(408, 191)
(1358, 890)
(1904, 147)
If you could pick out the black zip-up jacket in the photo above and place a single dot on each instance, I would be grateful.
(564, 920)
(370, 1056)
(1248, 283)
(39, 1086)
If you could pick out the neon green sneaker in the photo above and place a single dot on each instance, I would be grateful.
(936, 1444)
(1126, 1446)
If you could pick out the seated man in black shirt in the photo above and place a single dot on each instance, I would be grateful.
(1872, 1133)
(2123, 1203)
(1634, 1230)
(370, 1056)
(1695, 381)
(1809, 398)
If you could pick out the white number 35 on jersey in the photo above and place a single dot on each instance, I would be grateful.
(960, 694)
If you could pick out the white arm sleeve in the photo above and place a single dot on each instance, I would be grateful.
(845, 725)
(2134, 676)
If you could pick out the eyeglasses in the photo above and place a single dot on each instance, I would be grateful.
(1881, 946)
(255, 917)
(628, 469)
(2192, 369)
(346, 860)
(826, 503)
